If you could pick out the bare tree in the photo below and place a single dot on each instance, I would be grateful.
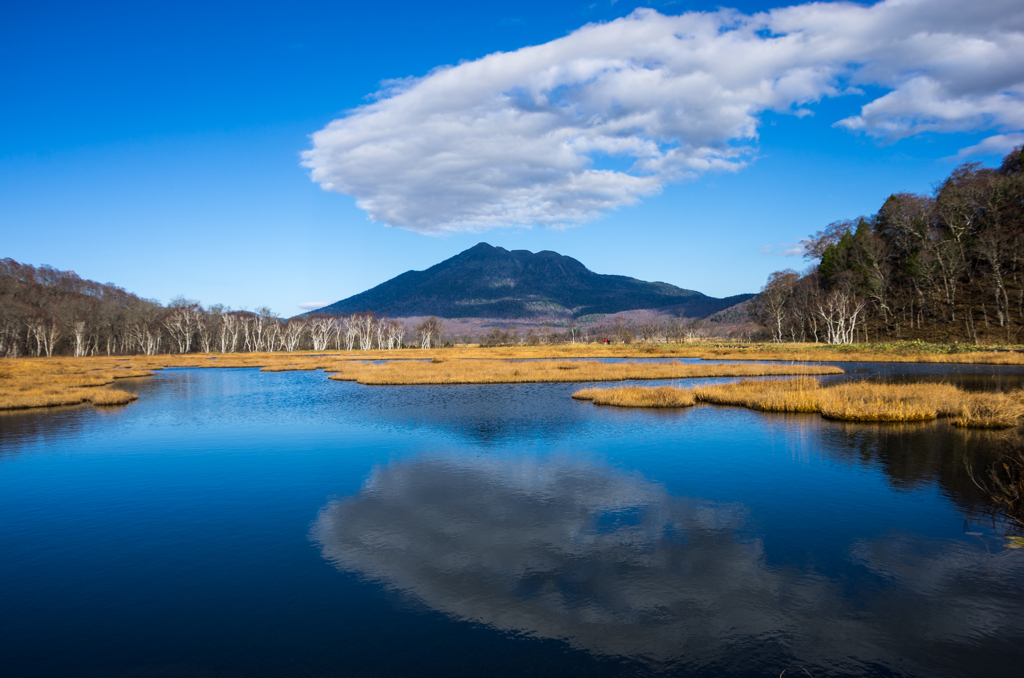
(365, 325)
(839, 310)
(208, 325)
(46, 332)
(429, 332)
(320, 330)
(774, 301)
(396, 333)
(78, 334)
(182, 322)
(294, 330)
(351, 332)
(649, 326)
(272, 334)
(228, 332)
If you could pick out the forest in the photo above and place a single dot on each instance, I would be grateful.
(45, 311)
(948, 267)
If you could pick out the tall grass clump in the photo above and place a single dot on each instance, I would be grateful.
(638, 396)
(990, 410)
(768, 395)
(861, 401)
(864, 401)
(110, 396)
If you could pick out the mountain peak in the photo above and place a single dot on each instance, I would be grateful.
(485, 281)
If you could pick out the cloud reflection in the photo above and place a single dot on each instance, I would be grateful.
(611, 563)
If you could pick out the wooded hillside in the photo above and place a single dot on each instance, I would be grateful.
(948, 266)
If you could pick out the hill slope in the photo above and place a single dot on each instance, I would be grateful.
(492, 282)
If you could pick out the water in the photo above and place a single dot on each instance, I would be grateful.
(968, 377)
(238, 523)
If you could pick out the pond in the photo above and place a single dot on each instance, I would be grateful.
(239, 523)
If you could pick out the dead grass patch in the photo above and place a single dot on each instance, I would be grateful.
(864, 354)
(110, 396)
(638, 396)
(48, 382)
(505, 372)
(990, 410)
(854, 401)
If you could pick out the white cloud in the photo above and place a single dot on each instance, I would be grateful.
(313, 305)
(784, 249)
(610, 562)
(1000, 144)
(562, 132)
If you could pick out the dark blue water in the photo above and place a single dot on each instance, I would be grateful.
(239, 523)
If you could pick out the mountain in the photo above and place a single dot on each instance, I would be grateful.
(492, 282)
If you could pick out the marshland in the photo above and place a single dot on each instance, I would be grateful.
(860, 401)
(56, 381)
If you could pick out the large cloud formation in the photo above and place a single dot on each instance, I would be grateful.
(611, 563)
(561, 132)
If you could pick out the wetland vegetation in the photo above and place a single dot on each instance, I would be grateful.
(845, 401)
(47, 382)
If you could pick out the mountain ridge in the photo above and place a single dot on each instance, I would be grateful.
(491, 282)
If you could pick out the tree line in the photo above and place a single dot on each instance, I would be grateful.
(648, 327)
(948, 266)
(45, 312)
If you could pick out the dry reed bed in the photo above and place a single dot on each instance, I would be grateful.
(504, 372)
(763, 352)
(49, 382)
(28, 383)
(826, 354)
(44, 382)
(851, 401)
(745, 352)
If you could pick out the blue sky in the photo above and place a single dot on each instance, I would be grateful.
(159, 145)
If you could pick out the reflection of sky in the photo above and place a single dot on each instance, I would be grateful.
(812, 541)
(610, 562)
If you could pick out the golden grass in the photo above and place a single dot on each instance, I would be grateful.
(786, 395)
(852, 401)
(790, 352)
(68, 395)
(862, 353)
(111, 396)
(47, 382)
(505, 372)
(990, 410)
(50, 382)
(638, 396)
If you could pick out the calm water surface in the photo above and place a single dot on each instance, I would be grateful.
(238, 523)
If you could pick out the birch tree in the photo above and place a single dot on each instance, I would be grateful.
(294, 330)
(429, 332)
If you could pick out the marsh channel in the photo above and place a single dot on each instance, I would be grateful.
(239, 523)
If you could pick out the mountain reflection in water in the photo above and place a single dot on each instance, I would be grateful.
(608, 561)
